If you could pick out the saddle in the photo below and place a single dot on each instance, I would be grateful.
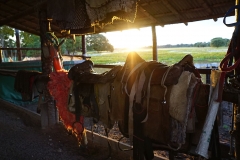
(133, 89)
(90, 92)
(24, 84)
(143, 92)
(152, 102)
(78, 69)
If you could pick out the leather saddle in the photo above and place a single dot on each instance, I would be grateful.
(78, 69)
(137, 73)
(89, 94)
(142, 89)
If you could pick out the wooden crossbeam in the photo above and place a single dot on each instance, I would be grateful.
(194, 9)
(21, 14)
(141, 9)
(206, 6)
(172, 9)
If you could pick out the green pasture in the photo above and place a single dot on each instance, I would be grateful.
(165, 55)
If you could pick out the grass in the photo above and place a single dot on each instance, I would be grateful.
(165, 55)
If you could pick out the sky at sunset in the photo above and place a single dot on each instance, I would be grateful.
(200, 31)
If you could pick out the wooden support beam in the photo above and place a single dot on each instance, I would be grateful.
(122, 26)
(206, 6)
(83, 46)
(24, 28)
(194, 9)
(154, 41)
(49, 113)
(22, 14)
(1, 55)
(163, 14)
(195, 19)
(149, 3)
(19, 53)
(83, 31)
(141, 9)
(172, 9)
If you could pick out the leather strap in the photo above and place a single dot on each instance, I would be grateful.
(163, 81)
(224, 63)
(148, 95)
(149, 89)
(78, 105)
(130, 113)
(129, 75)
(233, 49)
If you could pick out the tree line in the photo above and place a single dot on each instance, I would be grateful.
(215, 42)
(94, 42)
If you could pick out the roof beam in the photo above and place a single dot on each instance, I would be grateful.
(3, 6)
(23, 28)
(21, 14)
(196, 19)
(181, 12)
(194, 9)
(147, 14)
(151, 2)
(206, 6)
(172, 9)
(222, 4)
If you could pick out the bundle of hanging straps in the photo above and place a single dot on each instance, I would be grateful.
(226, 65)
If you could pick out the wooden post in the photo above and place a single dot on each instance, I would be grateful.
(236, 10)
(1, 57)
(154, 40)
(236, 132)
(48, 114)
(19, 53)
(83, 47)
(45, 56)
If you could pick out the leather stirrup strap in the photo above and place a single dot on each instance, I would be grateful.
(77, 102)
(131, 99)
(148, 94)
(130, 112)
(149, 89)
(129, 75)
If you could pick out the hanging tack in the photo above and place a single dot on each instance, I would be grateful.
(49, 24)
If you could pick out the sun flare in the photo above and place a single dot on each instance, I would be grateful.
(129, 39)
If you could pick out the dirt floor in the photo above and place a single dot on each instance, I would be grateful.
(19, 140)
(22, 140)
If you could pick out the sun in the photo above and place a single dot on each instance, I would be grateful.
(129, 39)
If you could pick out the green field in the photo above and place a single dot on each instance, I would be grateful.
(165, 55)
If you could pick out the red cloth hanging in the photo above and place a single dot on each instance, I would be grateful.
(56, 60)
(59, 86)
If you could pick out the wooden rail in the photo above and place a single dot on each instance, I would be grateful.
(20, 48)
(36, 49)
